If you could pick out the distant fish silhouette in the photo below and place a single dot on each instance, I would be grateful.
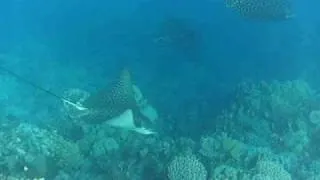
(263, 9)
(116, 105)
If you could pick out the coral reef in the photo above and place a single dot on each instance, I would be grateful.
(35, 153)
(270, 131)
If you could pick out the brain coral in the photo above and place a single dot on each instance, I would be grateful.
(273, 170)
(186, 167)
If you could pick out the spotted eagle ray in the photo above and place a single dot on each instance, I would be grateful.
(116, 105)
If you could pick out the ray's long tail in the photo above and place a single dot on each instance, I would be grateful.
(36, 86)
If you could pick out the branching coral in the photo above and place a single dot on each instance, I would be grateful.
(232, 147)
(41, 152)
(283, 104)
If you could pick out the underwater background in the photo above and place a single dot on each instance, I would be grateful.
(231, 88)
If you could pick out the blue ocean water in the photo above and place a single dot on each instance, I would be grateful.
(227, 89)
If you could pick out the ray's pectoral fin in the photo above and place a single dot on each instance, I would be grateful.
(126, 121)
